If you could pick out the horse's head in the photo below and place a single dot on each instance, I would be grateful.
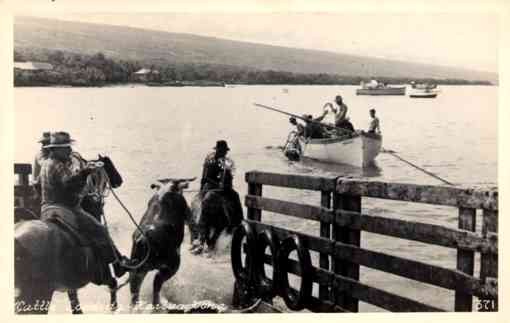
(113, 175)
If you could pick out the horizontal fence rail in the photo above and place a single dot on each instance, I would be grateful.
(341, 222)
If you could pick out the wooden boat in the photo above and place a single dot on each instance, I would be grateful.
(360, 150)
(375, 88)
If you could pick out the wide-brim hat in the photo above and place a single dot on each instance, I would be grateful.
(221, 145)
(59, 139)
(46, 136)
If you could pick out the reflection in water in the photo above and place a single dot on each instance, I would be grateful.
(343, 169)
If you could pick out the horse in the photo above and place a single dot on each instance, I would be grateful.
(157, 240)
(213, 212)
(49, 257)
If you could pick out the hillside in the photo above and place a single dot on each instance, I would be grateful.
(155, 47)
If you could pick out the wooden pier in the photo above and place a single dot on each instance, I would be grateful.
(338, 242)
(339, 239)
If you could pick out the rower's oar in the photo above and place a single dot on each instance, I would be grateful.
(394, 154)
(301, 118)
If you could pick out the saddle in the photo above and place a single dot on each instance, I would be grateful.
(68, 221)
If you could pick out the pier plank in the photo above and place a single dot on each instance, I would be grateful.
(292, 181)
(422, 232)
(438, 195)
(299, 210)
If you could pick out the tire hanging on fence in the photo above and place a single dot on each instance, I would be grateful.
(295, 300)
(243, 274)
(266, 285)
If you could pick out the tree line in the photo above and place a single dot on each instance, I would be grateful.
(98, 70)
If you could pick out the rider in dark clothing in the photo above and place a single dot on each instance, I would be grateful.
(217, 177)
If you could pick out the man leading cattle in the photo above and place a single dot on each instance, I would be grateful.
(217, 178)
(61, 188)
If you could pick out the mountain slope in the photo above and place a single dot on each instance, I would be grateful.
(151, 46)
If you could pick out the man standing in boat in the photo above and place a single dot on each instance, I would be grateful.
(341, 119)
(374, 127)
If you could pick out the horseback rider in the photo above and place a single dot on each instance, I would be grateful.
(62, 185)
(40, 156)
(217, 176)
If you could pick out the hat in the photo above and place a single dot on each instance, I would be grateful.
(221, 145)
(371, 110)
(292, 119)
(45, 138)
(59, 139)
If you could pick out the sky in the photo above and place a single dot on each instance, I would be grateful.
(462, 39)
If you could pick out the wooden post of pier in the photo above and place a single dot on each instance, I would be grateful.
(325, 232)
(347, 236)
(465, 259)
(489, 261)
(253, 213)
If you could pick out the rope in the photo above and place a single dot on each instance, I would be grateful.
(393, 153)
(133, 220)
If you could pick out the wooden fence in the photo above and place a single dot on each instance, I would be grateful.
(341, 256)
(24, 192)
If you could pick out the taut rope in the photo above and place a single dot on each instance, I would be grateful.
(393, 153)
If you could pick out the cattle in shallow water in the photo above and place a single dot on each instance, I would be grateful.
(157, 246)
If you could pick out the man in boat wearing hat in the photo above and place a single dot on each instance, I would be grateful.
(217, 176)
(61, 191)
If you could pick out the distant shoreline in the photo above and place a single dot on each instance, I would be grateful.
(227, 85)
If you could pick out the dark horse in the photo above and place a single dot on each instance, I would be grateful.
(50, 257)
(157, 247)
(213, 212)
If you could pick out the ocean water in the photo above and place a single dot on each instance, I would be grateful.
(158, 132)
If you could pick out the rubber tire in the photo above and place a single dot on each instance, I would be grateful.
(295, 301)
(267, 286)
(243, 274)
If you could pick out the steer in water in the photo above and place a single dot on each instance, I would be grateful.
(158, 246)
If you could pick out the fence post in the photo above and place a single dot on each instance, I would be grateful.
(325, 232)
(348, 236)
(489, 261)
(253, 213)
(465, 259)
(23, 171)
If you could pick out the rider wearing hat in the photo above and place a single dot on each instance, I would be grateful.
(217, 175)
(61, 188)
(40, 157)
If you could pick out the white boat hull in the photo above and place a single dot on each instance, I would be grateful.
(359, 151)
(423, 93)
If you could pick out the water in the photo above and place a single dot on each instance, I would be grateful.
(158, 132)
